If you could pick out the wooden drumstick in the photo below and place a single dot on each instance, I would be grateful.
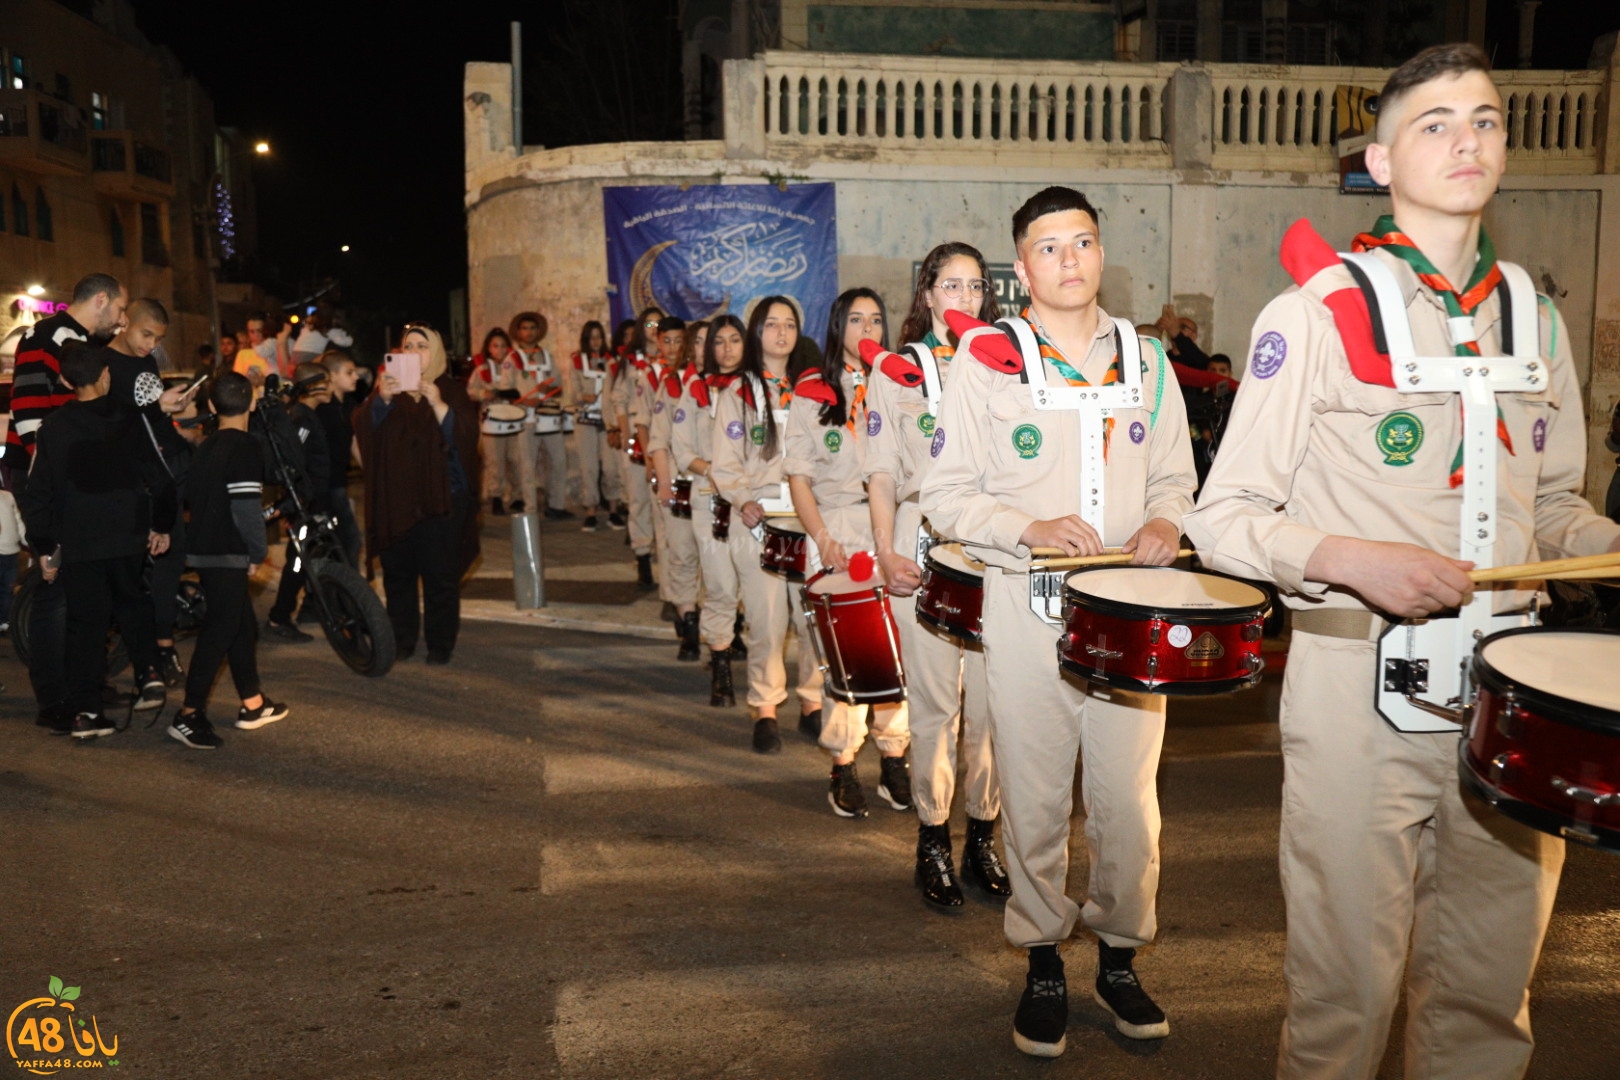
(1599, 574)
(1538, 570)
(1115, 558)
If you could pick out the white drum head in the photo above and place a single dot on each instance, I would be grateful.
(952, 556)
(1165, 587)
(502, 411)
(1580, 667)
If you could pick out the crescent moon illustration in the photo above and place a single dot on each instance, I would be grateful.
(641, 293)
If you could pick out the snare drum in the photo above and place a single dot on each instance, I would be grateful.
(952, 594)
(549, 420)
(591, 415)
(786, 548)
(634, 450)
(504, 418)
(1543, 744)
(1162, 630)
(683, 498)
(720, 518)
(854, 633)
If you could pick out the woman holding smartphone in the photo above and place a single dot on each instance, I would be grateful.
(826, 446)
(746, 453)
(945, 682)
(418, 442)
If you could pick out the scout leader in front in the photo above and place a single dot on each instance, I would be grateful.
(1007, 477)
(1349, 494)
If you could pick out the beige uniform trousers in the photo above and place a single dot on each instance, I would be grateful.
(1382, 852)
(678, 574)
(638, 496)
(1039, 722)
(843, 726)
(772, 602)
(717, 624)
(945, 695)
(509, 466)
(598, 478)
(554, 449)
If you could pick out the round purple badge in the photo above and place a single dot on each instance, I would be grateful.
(1269, 353)
(680, 415)
(1538, 434)
(1138, 432)
(734, 430)
(658, 406)
(938, 444)
(874, 423)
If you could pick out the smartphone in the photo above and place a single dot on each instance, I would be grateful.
(192, 389)
(406, 368)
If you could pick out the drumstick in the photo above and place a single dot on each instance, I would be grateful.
(1536, 570)
(1599, 574)
(1112, 559)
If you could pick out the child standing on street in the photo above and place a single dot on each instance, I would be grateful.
(225, 541)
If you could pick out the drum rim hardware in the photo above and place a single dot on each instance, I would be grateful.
(1576, 713)
(1167, 615)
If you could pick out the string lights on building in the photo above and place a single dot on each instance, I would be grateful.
(224, 219)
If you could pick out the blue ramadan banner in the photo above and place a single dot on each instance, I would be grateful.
(703, 251)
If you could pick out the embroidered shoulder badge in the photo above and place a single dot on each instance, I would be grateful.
(1269, 353)
(833, 440)
(734, 430)
(925, 424)
(874, 423)
(1026, 439)
(1399, 436)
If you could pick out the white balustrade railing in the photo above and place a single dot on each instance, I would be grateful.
(929, 104)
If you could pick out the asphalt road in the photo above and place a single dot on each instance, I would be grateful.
(553, 859)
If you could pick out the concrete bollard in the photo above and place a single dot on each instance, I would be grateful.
(528, 567)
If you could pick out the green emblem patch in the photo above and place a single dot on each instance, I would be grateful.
(1399, 436)
(757, 434)
(834, 439)
(925, 424)
(1026, 439)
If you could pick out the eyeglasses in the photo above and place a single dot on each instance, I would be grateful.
(952, 287)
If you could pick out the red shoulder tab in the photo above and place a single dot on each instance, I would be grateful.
(745, 389)
(895, 366)
(672, 384)
(1304, 255)
(579, 362)
(699, 387)
(987, 344)
(811, 385)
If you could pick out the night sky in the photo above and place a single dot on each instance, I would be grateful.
(363, 106)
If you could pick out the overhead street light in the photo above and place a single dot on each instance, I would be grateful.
(261, 148)
(39, 290)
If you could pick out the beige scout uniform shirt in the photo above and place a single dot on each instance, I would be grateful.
(577, 385)
(900, 431)
(663, 416)
(1001, 464)
(739, 468)
(691, 432)
(618, 391)
(1311, 451)
(643, 394)
(831, 458)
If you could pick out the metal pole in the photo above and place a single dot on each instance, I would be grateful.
(528, 566)
(517, 88)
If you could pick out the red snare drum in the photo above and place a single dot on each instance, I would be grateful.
(1543, 744)
(952, 594)
(634, 450)
(786, 549)
(1161, 630)
(853, 629)
(720, 517)
(683, 498)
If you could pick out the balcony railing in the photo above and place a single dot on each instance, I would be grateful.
(966, 111)
(124, 165)
(40, 133)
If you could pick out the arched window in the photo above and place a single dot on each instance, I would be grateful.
(19, 211)
(116, 232)
(42, 215)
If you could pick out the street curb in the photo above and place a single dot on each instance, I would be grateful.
(475, 611)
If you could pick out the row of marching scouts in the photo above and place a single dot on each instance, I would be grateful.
(956, 526)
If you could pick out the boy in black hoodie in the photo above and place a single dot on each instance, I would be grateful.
(97, 502)
(224, 540)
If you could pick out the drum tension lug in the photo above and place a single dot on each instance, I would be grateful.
(1406, 676)
(1581, 793)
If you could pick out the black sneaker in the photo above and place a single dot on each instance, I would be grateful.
(810, 724)
(936, 873)
(497, 508)
(267, 713)
(894, 781)
(285, 632)
(766, 739)
(1040, 1026)
(845, 794)
(437, 657)
(56, 718)
(1118, 991)
(983, 864)
(616, 520)
(558, 515)
(589, 524)
(153, 692)
(169, 666)
(518, 506)
(91, 726)
(195, 731)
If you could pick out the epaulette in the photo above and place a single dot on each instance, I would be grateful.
(1305, 255)
(811, 385)
(893, 365)
(987, 344)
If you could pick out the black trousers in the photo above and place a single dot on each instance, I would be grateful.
(426, 554)
(165, 578)
(47, 643)
(97, 592)
(292, 580)
(229, 632)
